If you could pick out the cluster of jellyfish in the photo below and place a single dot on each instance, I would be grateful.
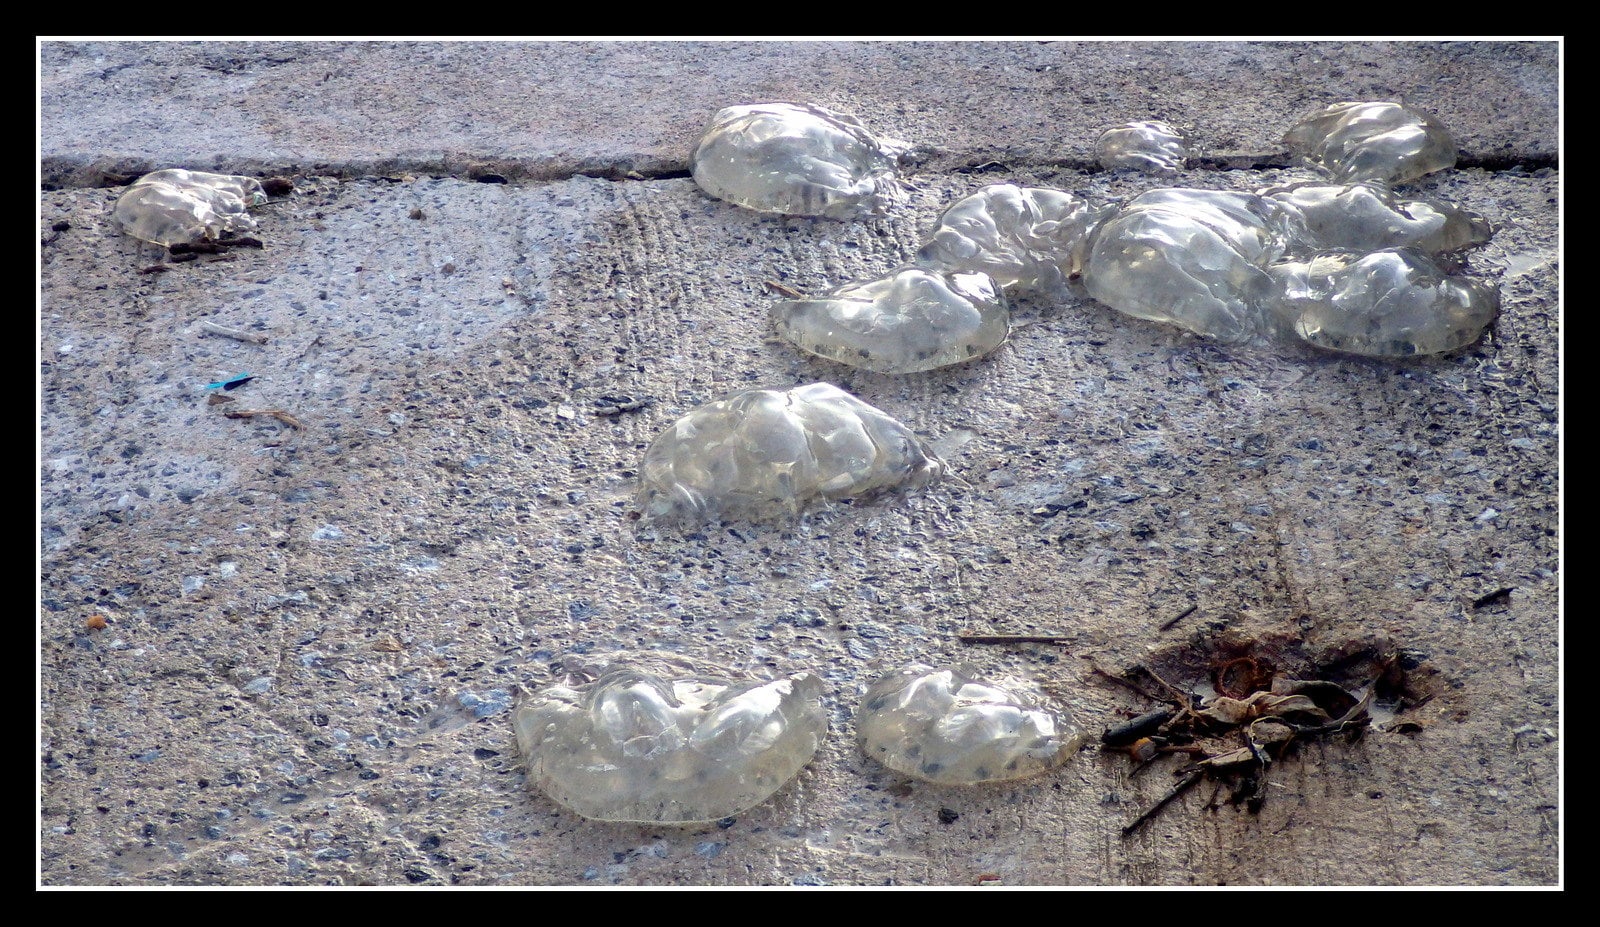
(1344, 265)
(652, 741)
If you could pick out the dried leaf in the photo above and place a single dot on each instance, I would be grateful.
(1227, 712)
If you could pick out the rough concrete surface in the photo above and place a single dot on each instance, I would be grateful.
(315, 634)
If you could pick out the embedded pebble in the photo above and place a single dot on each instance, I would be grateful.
(1029, 238)
(796, 159)
(1153, 147)
(950, 725)
(771, 452)
(1387, 142)
(909, 321)
(176, 206)
(653, 744)
(1395, 303)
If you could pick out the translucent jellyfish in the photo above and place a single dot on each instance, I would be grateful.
(796, 159)
(1151, 147)
(1383, 304)
(951, 726)
(909, 321)
(635, 745)
(1368, 216)
(1194, 258)
(1030, 238)
(770, 452)
(1386, 142)
(184, 207)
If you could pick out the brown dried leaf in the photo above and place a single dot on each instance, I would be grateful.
(1227, 712)
(1299, 707)
(1240, 757)
(1270, 734)
(1330, 697)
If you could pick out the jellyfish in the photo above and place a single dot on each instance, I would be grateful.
(952, 725)
(177, 206)
(768, 452)
(908, 321)
(1153, 147)
(1387, 142)
(658, 744)
(797, 159)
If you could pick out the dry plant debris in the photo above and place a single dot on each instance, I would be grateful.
(1254, 719)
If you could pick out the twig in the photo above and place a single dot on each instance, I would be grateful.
(1185, 703)
(1184, 784)
(777, 287)
(1177, 693)
(1128, 684)
(1171, 622)
(278, 414)
(616, 405)
(1012, 639)
(234, 333)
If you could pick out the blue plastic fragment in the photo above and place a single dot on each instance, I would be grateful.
(232, 383)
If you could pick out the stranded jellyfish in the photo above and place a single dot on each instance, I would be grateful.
(951, 726)
(1152, 147)
(1194, 258)
(770, 452)
(668, 747)
(1383, 304)
(1028, 238)
(907, 322)
(1342, 266)
(176, 206)
(1367, 216)
(1386, 142)
(796, 159)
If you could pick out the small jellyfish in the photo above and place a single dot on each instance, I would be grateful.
(1367, 216)
(907, 322)
(1194, 258)
(796, 159)
(1152, 147)
(176, 206)
(657, 745)
(1386, 142)
(1395, 303)
(764, 452)
(951, 726)
(1027, 238)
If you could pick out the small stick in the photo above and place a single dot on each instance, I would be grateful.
(278, 414)
(1011, 639)
(1180, 616)
(1131, 685)
(1184, 784)
(234, 333)
(1179, 694)
(1184, 702)
(777, 287)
